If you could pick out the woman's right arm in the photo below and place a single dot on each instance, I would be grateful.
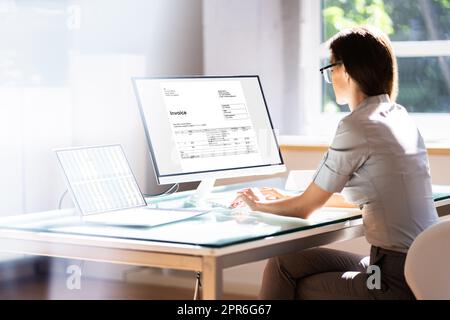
(338, 201)
(300, 206)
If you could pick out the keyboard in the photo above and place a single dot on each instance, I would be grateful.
(221, 200)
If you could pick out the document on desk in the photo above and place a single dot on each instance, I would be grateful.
(211, 121)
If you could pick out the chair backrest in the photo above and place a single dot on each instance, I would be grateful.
(427, 266)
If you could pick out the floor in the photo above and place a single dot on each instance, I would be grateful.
(40, 287)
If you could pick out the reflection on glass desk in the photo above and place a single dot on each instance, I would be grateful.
(216, 228)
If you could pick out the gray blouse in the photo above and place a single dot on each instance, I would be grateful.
(379, 161)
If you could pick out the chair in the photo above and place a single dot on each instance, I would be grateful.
(427, 263)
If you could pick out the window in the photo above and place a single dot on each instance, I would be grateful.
(420, 33)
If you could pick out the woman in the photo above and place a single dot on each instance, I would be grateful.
(379, 161)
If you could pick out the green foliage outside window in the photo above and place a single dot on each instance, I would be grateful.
(424, 81)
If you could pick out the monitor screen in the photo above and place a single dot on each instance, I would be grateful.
(201, 125)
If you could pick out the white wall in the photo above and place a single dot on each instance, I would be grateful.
(11, 157)
(262, 38)
(34, 121)
(76, 90)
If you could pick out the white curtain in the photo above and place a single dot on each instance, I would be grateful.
(65, 69)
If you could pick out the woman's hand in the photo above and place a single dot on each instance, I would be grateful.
(257, 198)
(272, 194)
(247, 197)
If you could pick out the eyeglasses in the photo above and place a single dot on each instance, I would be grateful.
(326, 71)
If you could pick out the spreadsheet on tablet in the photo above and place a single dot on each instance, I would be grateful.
(100, 178)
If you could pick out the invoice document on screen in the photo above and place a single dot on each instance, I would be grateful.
(211, 124)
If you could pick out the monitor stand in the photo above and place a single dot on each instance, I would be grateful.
(198, 199)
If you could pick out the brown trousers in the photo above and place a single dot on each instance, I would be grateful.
(322, 273)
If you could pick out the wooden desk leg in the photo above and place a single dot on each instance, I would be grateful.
(212, 278)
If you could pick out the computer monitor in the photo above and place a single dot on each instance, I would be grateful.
(207, 127)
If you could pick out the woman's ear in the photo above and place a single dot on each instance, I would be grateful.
(347, 76)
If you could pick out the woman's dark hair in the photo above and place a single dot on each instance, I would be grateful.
(368, 58)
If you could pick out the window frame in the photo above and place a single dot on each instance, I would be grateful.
(433, 126)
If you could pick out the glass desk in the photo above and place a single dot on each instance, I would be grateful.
(218, 239)
(217, 228)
